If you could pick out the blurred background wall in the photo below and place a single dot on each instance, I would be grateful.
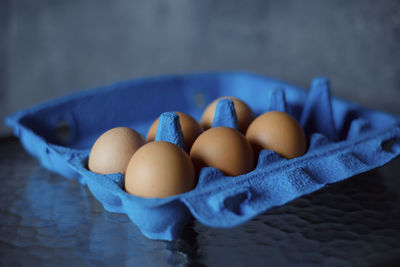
(50, 48)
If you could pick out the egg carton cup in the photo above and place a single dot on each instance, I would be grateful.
(344, 139)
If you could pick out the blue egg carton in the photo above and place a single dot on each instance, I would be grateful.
(344, 140)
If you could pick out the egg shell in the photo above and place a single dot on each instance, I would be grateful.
(243, 112)
(279, 132)
(113, 149)
(225, 149)
(191, 129)
(159, 169)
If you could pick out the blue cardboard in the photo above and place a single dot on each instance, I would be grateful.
(344, 140)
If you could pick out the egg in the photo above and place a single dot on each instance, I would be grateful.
(244, 113)
(279, 132)
(113, 149)
(159, 169)
(191, 129)
(225, 149)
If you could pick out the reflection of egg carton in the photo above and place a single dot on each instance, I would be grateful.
(344, 140)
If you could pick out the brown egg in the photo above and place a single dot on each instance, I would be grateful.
(113, 149)
(225, 149)
(191, 129)
(243, 112)
(279, 132)
(159, 169)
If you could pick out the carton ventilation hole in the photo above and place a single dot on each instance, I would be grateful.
(63, 130)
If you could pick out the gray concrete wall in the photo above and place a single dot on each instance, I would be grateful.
(51, 47)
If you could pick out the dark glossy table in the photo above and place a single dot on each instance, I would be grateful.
(46, 219)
